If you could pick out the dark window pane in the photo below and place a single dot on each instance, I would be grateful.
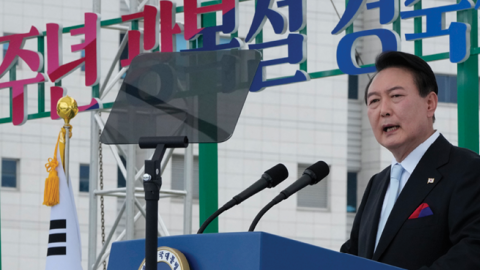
(9, 173)
(447, 88)
(352, 87)
(120, 179)
(452, 97)
(351, 192)
(84, 177)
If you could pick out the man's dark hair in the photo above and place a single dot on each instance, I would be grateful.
(422, 73)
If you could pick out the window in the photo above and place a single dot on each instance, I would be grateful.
(178, 180)
(315, 196)
(9, 172)
(121, 182)
(351, 192)
(352, 87)
(447, 88)
(84, 182)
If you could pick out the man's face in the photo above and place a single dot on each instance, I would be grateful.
(400, 118)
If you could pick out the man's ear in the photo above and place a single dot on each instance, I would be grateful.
(432, 102)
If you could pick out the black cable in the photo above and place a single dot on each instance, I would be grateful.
(222, 209)
(311, 176)
(280, 197)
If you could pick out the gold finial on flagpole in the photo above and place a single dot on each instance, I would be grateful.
(67, 108)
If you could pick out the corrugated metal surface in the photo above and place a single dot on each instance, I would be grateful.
(354, 135)
(315, 196)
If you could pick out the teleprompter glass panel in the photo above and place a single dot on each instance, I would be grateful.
(195, 94)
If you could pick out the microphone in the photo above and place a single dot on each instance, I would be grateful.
(270, 178)
(311, 176)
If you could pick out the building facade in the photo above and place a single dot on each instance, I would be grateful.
(295, 124)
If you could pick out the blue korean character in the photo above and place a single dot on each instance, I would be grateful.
(167, 255)
(296, 54)
(210, 34)
(346, 49)
(172, 259)
(388, 12)
(160, 255)
(297, 17)
(459, 33)
(176, 266)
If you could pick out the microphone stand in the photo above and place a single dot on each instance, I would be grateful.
(264, 210)
(152, 182)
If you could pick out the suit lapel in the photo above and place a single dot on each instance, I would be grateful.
(415, 191)
(378, 193)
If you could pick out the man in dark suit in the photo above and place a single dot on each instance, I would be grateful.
(423, 211)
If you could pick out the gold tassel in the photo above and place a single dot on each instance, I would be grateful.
(51, 195)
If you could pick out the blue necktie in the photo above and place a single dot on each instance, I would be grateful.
(392, 193)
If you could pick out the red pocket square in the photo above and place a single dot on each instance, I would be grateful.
(422, 211)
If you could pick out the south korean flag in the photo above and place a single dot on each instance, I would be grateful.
(64, 247)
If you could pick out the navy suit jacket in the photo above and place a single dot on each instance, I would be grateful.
(448, 239)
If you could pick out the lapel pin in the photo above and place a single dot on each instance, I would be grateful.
(430, 180)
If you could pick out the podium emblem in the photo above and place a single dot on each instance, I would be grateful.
(169, 258)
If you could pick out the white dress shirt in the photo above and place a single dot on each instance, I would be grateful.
(409, 164)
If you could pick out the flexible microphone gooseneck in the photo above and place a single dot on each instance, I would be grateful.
(311, 176)
(270, 178)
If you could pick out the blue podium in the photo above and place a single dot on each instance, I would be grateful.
(241, 251)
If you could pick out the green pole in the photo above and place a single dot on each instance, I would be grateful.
(417, 28)
(208, 163)
(41, 86)
(467, 88)
(397, 24)
(13, 77)
(259, 37)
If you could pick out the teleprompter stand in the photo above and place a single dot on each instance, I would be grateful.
(195, 95)
(152, 182)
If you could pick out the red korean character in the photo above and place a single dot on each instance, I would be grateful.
(57, 70)
(34, 61)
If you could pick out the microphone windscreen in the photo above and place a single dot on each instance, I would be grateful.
(320, 170)
(278, 173)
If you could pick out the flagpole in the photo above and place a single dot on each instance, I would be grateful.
(67, 152)
(67, 109)
(67, 248)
